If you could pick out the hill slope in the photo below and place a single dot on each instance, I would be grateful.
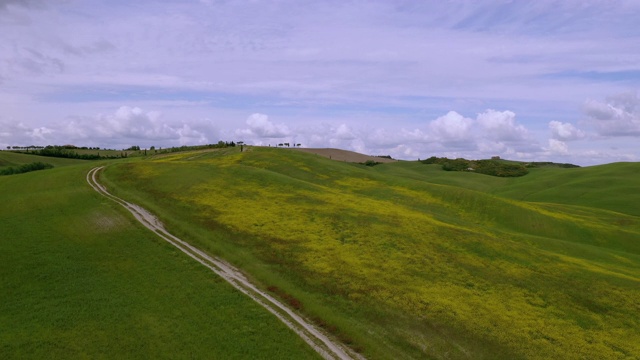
(82, 279)
(613, 186)
(9, 158)
(409, 264)
(344, 155)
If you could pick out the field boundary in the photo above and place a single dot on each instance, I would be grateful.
(320, 342)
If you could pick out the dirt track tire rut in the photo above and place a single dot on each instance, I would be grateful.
(320, 342)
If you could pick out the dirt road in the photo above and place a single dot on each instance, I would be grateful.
(327, 348)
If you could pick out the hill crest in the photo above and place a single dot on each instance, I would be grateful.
(344, 155)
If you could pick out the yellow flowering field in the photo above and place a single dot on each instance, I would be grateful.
(439, 270)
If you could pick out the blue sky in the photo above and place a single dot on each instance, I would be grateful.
(525, 80)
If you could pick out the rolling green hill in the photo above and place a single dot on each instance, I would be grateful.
(80, 278)
(404, 260)
(614, 187)
(10, 158)
(400, 260)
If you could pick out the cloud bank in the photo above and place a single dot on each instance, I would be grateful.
(549, 80)
(124, 127)
(617, 116)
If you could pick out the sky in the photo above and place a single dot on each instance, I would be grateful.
(523, 80)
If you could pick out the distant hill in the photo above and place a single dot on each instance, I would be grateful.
(344, 155)
(10, 158)
(407, 259)
(614, 187)
(494, 166)
(400, 260)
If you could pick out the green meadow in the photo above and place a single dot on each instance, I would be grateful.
(80, 278)
(404, 260)
(13, 159)
(399, 261)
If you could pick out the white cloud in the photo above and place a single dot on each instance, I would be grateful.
(124, 127)
(40, 133)
(134, 125)
(384, 138)
(262, 128)
(558, 147)
(22, 134)
(133, 122)
(344, 132)
(383, 76)
(331, 135)
(617, 116)
(502, 126)
(451, 135)
(565, 131)
(452, 129)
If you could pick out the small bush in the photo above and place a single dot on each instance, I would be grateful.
(370, 163)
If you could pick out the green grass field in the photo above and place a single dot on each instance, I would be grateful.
(404, 260)
(613, 187)
(80, 278)
(9, 158)
(400, 260)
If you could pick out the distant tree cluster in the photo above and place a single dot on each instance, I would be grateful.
(38, 147)
(25, 168)
(288, 145)
(498, 168)
(68, 151)
(221, 144)
(487, 167)
(550, 164)
(27, 148)
(224, 144)
(65, 152)
(370, 163)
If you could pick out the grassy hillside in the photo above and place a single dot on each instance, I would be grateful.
(406, 261)
(80, 278)
(614, 187)
(9, 158)
(433, 174)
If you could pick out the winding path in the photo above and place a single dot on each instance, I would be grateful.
(326, 347)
